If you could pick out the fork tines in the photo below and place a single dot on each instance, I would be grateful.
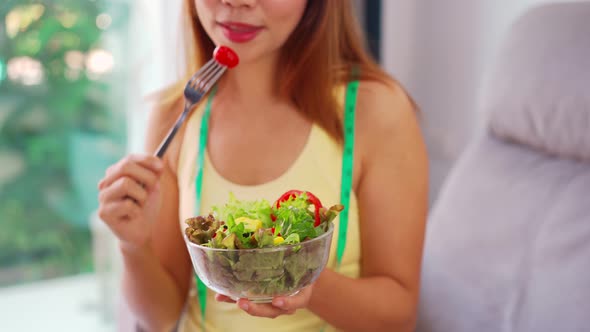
(208, 75)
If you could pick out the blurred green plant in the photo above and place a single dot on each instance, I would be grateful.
(58, 131)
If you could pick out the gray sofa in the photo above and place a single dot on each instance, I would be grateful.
(508, 241)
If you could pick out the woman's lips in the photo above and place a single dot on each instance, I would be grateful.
(240, 32)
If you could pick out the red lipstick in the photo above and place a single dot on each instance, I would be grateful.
(239, 32)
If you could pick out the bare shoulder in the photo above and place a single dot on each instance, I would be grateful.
(385, 115)
(383, 104)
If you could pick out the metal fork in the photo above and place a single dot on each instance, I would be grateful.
(198, 85)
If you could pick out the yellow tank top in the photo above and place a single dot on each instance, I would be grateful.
(317, 169)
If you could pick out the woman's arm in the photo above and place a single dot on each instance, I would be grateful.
(393, 203)
(157, 274)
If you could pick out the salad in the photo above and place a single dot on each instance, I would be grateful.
(257, 224)
(257, 249)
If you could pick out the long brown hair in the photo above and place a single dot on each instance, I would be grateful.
(327, 42)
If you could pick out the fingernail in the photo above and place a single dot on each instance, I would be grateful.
(244, 306)
(279, 303)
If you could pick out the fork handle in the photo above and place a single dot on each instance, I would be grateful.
(166, 142)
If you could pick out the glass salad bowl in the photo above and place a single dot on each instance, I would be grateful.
(260, 274)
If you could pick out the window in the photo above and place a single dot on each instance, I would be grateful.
(58, 132)
(62, 122)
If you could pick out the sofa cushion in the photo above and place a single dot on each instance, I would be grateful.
(539, 94)
(507, 244)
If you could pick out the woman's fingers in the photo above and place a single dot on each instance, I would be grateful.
(294, 302)
(123, 188)
(117, 211)
(223, 298)
(143, 169)
(124, 218)
(124, 194)
(260, 310)
(263, 310)
(286, 305)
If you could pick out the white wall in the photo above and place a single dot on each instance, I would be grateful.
(440, 51)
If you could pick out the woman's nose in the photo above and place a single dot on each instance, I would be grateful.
(239, 3)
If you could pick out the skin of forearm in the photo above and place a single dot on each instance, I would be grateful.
(150, 291)
(365, 304)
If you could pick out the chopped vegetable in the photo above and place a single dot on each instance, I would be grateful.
(311, 198)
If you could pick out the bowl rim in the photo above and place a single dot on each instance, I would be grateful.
(328, 233)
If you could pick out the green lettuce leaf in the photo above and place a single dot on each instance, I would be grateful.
(234, 209)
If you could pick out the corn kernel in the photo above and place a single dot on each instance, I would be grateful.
(250, 225)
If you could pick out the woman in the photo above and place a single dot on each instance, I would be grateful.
(276, 124)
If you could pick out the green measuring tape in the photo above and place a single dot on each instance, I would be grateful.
(347, 164)
(346, 181)
(203, 135)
